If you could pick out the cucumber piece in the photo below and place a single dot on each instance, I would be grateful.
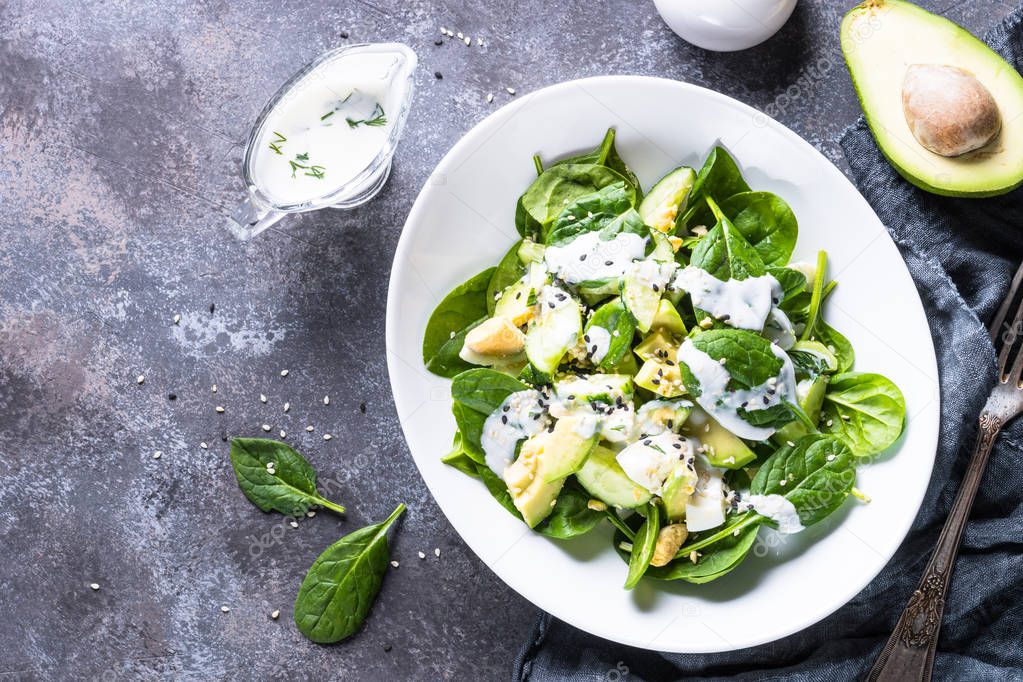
(678, 489)
(658, 345)
(518, 301)
(810, 394)
(602, 477)
(530, 251)
(667, 199)
(663, 250)
(568, 446)
(818, 350)
(724, 449)
(661, 378)
(555, 329)
(642, 286)
(668, 319)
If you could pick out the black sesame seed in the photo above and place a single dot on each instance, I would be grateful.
(671, 423)
(362, 408)
(172, 396)
(518, 295)
(213, 306)
(646, 442)
(726, 317)
(504, 419)
(438, 75)
(766, 400)
(609, 262)
(677, 446)
(655, 382)
(670, 363)
(586, 338)
(344, 34)
(438, 41)
(656, 288)
(551, 304)
(387, 647)
(571, 397)
(582, 257)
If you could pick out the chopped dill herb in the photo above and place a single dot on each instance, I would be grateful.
(326, 115)
(376, 119)
(302, 157)
(312, 171)
(277, 141)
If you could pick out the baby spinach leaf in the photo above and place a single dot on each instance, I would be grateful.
(815, 474)
(867, 411)
(620, 324)
(470, 425)
(606, 155)
(447, 361)
(287, 487)
(555, 189)
(725, 253)
(509, 271)
(534, 377)
(715, 561)
(643, 546)
(608, 210)
(775, 416)
(342, 584)
(719, 178)
(463, 308)
(747, 355)
(837, 343)
(476, 394)
(497, 487)
(570, 516)
(459, 458)
(792, 282)
(767, 223)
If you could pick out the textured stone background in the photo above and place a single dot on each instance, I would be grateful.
(121, 129)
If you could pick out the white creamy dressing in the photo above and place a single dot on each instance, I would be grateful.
(598, 343)
(588, 257)
(739, 303)
(650, 461)
(651, 419)
(723, 404)
(334, 123)
(521, 415)
(775, 507)
(652, 274)
(779, 329)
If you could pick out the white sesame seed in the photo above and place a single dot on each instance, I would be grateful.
(287, 406)
(327, 436)
(284, 434)
(94, 586)
(436, 552)
(275, 614)
(141, 378)
(443, 30)
(293, 524)
(225, 609)
(158, 454)
(479, 42)
(511, 91)
(468, 41)
(213, 388)
(326, 400)
(220, 408)
(723, 360)
(394, 564)
(284, 372)
(460, 36)
(422, 556)
(830, 422)
(177, 318)
(266, 427)
(490, 97)
(204, 446)
(262, 398)
(309, 428)
(310, 513)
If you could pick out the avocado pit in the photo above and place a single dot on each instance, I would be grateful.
(949, 111)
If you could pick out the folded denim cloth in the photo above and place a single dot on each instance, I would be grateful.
(962, 254)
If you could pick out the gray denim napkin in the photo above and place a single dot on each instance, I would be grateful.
(962, 254)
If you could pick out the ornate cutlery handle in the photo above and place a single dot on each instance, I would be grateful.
(909, 653)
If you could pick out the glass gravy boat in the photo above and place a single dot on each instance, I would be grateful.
(262, 208)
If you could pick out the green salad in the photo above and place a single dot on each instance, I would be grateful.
(655, 361)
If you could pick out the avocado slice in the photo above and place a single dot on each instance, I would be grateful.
(882, 40)
(531, 493)
(679, 487)
(657, 345)
(602, 477)
(668, 319)
(724, 449)
(568, 446)
(661, 378)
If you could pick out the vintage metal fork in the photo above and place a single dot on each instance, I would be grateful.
(909, 653)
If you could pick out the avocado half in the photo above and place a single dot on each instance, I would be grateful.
(881, 39)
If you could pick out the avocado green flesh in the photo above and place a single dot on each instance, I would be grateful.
(880, 40)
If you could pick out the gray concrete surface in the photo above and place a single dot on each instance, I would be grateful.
(121, 129)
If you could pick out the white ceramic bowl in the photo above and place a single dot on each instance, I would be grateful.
(725, 25)
(462, 223)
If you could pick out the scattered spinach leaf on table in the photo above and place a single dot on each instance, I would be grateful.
(291, 487)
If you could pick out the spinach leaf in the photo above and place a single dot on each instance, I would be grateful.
(747, 355)
(606, 155)
(509, 271)
(725, 253)
(867, 411)
(792, 282)
(462, 309)
(815, 474)
(775, 416)
(715, 561)
(837, 344)
(476, 394)
(619, 323)
(571, 516)
(767, 223)
(719, 178)
(341, 585)
(534, 377)
(643, 546)
(608, 210)
(459, 458)
(555, 189)
(288, 486)
(497, 487)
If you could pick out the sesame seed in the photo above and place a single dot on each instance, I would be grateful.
(287, 406)
(422, 556)
(395, 564)
(225, 609)
(284, 433)
(511, 91)
(443, 30)
(293, 524)
(438, 41)
(309, 428)
(177, 319)
(204, 446)
(220, 409)
(326, 400)
(327, 436)
(490, 97)
(284, 372)
(266, 427)
(468, 41)
(460, 36)
(479, 42)
(94, 586)
(275, 614)
(438, 75)
(436, 552)
(311, 513)
(141, 378)
(158, 454)
(213, 388)
(262, 398)
(830, 422)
